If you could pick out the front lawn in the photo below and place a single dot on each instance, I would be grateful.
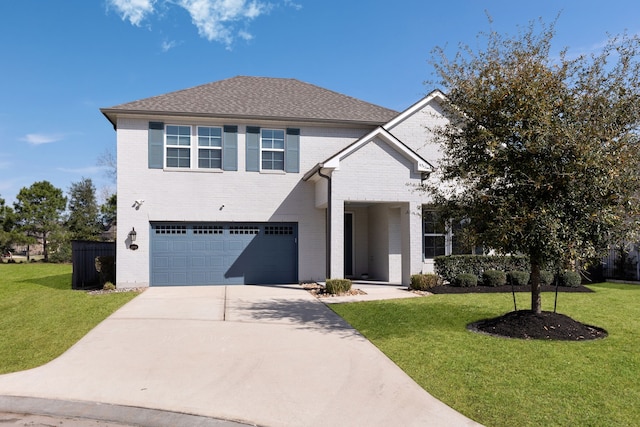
(41, 316)
(509, 382)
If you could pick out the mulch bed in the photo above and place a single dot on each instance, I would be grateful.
(319, 291)
(525, 324)
(446, 289)
(547, 325)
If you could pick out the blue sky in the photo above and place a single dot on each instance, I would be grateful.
(61, 61)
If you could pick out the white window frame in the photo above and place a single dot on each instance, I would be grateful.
(272, 150)
(208, 147)
(168, 146)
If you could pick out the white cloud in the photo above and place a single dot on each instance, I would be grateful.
(167, 45)
(41, 138)
(245, 35)
(133, 10)
(214, 19)
(290, 3)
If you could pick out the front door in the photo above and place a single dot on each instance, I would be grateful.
(348, 244)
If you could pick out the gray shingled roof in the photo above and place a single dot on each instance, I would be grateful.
(261, 98)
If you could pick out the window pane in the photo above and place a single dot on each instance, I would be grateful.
(178, 157)
(210, 159)
(273, 160)
(209, 137)
(433, 246)
(272, 138)
(431, 223)
(178, 135)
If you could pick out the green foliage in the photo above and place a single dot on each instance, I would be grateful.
(450, 266)
(42, 316)
(569, 278)
(337, 286)
(542, 150)
(465, 280)
(108, 286)
(108, 211)
(105, 265)
(519, 278)
(488, 380)
(84, 220)
(424, 282)
(494, 278)
(546, 277)
(39, 211)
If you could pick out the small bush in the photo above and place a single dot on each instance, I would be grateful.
(494, 278)
(569, 278)
(423, 282)
(109, 286)
(337, 286)
(465, 280)
(546, 277)
(519, 278)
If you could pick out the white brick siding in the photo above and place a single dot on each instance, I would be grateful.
(190, 196)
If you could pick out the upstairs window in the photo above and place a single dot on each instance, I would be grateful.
(212, 147)
(178, 146)
(272, 149)
(209, 147)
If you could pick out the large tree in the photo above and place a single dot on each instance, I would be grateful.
(39, 210)
(542, 153)
(84, 215)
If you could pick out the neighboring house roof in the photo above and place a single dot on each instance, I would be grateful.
(420, 165)
(259, 98)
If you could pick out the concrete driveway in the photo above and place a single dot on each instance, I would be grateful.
(260, 355)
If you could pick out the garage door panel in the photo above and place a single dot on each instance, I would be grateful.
(223, 253)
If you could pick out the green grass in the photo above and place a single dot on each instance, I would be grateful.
(41, 316)
(508, 382)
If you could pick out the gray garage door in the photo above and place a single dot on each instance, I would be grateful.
(223, 253)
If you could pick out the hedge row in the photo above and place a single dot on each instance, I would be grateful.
(493, 270)
(449, 267)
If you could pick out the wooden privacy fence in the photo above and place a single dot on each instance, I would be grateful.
(84, 254)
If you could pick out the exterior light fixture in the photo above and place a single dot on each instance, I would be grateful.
(132, 238)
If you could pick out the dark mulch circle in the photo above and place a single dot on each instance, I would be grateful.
(446, 289)
(525, 324)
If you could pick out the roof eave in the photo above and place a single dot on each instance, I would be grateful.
(112, 113)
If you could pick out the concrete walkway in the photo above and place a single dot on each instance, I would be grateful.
(259, 355)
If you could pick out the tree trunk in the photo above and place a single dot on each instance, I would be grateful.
(45, 249)
(536, 300)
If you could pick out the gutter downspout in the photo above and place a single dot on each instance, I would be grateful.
(328, 225)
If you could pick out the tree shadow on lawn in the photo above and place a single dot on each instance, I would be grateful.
(60, 282)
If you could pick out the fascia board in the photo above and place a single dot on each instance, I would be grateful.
(435, 94)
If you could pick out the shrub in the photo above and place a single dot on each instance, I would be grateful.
(448, 267)
(337, 286)
(465, 280)
(494, 278)
(546, 277)
(422, 282)
(519, 278)
(109, 286)
(569, 278)
(105, 265)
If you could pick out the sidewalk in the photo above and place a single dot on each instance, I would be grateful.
(269, 356)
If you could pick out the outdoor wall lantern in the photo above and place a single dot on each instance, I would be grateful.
(132, 239)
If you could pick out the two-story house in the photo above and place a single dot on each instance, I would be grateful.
(255, 180)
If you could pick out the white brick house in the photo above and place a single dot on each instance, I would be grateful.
(261, 180)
